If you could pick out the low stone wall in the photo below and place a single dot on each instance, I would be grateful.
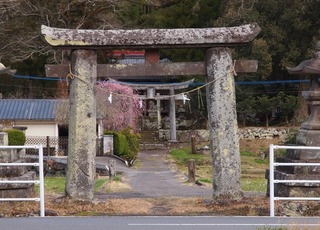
(263, 133)
(202, 135)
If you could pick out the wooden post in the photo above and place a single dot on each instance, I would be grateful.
(193, 144)
(224, 141)
(158, 112)
(191, 171)
(48, 146)
(82, 126)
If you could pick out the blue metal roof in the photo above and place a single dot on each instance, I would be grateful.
(28, 109)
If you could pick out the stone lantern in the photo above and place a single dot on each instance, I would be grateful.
(309, 132)
(308, 135)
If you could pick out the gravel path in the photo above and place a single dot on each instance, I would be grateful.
(155, 179)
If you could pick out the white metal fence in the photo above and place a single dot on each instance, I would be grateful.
(272, 166)
(40, 181)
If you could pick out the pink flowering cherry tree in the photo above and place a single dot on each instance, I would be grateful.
(118, 105)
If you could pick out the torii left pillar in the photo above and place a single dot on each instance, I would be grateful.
(82, 125)
(222, 114)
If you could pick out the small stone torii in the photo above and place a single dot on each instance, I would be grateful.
(151, 88)
(218, 67)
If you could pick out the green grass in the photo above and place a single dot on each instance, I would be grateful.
(247, 153)
(117, 178)
(205, 180)
(54, 184)
(261, 161)
(181, 156)
(253, 168)
(99, 183)
(253, 184)
(57, 184)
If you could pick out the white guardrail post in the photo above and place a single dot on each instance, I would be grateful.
(41, 178)
(39, 199)
(272, 181)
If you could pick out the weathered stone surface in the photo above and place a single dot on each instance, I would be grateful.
(82, 126)
(251, 133)
(289, 208)
(308, 137)
(13, 171)
(294, 189)
(313, 100)
(150, 38)
(3, 138)
(9, 155)
(26, 192)
(224, 140)
(303, 155)
(263, 133)
(26, 176)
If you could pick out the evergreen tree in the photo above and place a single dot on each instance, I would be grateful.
(264, 106)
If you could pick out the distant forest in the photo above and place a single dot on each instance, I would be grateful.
(290, 30)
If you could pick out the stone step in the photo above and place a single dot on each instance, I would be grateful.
(295, 189)
(149, 136)
(153, 146)
(305, 170)
(303, 154)
(287, 176)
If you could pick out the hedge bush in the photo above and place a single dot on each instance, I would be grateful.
(16, 137)
(120, 144)
(125, 144)
(133, 143)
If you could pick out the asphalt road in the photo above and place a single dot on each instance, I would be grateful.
(157, 223)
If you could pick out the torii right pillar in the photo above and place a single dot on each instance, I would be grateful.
(224, 140)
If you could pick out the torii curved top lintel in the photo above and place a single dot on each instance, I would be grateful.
(149, 38)
(162, 86)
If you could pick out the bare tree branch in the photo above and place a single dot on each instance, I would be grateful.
(20, 22)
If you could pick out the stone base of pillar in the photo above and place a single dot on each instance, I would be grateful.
(227, 197)
(305, 138)
(173, 141)
(308, 137)
(294, 189)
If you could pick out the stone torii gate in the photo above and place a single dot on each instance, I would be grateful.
(218, 67)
